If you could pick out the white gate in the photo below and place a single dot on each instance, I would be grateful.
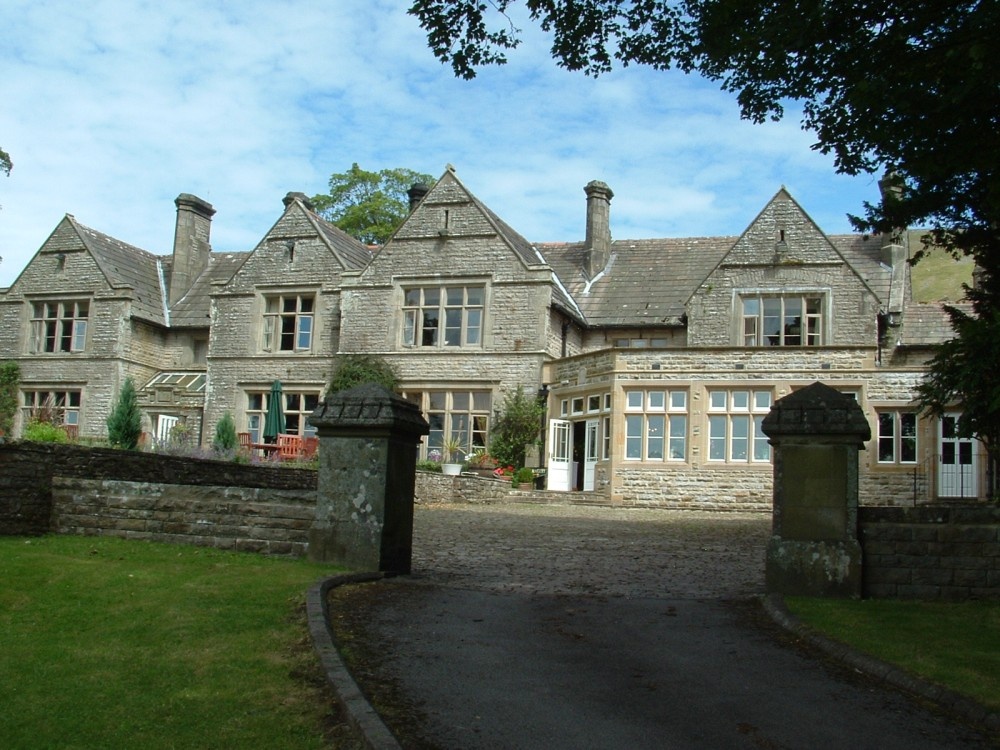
(560, 455)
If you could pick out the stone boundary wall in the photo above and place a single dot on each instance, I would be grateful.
(72, 489)
(245, 519)
(27, 471)
(930, 552)
(438, 488)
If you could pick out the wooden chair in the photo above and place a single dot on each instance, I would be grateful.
(244, 438)
(289, 447)
(309, 447)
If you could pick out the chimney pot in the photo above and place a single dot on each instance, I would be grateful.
(416, 194)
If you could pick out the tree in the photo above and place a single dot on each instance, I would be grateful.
(956, 375)
(908, 88)
(5, 163)
(369, 205)
(225, 434)
(125, 420)
(10, 379)
(356, 369)
(515, 426)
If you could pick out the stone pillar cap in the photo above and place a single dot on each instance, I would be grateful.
(369, 407)
(817, 409)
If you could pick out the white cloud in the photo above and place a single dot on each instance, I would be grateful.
(112, 108)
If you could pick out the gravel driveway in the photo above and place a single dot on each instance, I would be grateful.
(554, 627)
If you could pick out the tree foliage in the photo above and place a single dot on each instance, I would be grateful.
(905, 88)
(515, 426)
(369, 205)
(10, 379)
(125, 420)
(5, 163)
(956, 375)
(357, 369)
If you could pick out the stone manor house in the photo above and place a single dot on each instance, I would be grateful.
(658, 358)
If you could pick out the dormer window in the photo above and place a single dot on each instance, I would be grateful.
(782, 319)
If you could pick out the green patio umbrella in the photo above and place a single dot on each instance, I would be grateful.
(274, 421)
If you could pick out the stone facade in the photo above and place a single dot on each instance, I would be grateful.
(707, 322)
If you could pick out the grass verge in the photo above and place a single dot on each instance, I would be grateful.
(950, 644)
(113, 643)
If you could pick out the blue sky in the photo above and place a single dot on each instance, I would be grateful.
(111, 108)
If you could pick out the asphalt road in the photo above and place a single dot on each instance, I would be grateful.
(557, 627)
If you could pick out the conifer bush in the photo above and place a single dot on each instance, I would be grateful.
(125, 420)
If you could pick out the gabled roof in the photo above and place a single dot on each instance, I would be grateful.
(646, 282)
(127, 267)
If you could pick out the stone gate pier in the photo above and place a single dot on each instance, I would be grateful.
(367, 466)
(817, 434)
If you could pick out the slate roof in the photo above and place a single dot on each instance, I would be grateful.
(194, 308)
(863, 253)
(646, 282)
(128, 267)
(925, 324)
(353, 254)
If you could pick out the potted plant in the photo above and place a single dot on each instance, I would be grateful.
(523, 477)
(453, 452)
(481, 462)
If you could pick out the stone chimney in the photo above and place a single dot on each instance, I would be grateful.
(416, 194)
(597, 249)
(301, 197)
(192, 246)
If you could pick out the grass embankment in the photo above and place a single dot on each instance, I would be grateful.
(111, 643)
(951, 644)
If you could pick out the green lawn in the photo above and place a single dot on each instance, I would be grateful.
(956, 645)
(111, 643)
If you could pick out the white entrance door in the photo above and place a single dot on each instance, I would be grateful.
(590, 455)
(164, 424)
(560, 455)
(957, 467)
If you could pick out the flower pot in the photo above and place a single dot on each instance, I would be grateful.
(452, 470)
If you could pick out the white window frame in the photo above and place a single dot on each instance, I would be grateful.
(656, 425)
(735, 416)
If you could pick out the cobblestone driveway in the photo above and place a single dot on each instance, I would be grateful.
(551, 549)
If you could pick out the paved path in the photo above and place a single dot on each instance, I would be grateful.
(568, 627)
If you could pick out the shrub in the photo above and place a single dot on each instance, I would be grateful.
(516, 425)
(10, 378)
(45, 432)
(524, 475)
(357, 369)
(429, 466)
(225, 434)
(125, 420)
